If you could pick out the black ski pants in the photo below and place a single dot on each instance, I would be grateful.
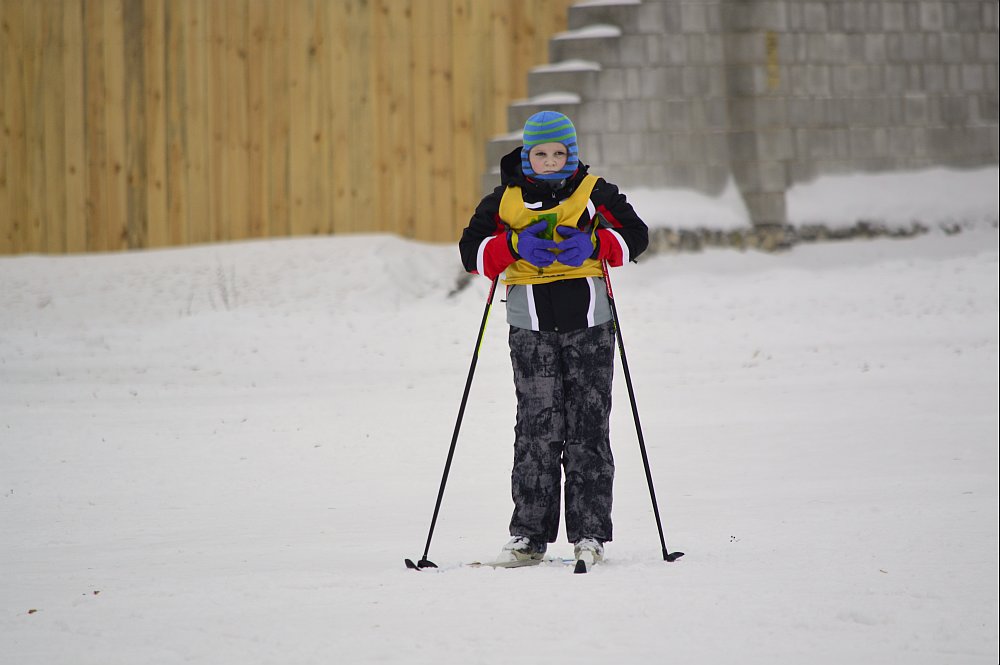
(563, 386)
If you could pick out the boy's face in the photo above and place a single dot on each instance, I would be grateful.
(548, 158)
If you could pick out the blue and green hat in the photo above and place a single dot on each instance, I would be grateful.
(550, 127)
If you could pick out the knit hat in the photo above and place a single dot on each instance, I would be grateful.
(550, 127)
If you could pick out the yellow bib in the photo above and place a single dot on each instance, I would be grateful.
(567, 213)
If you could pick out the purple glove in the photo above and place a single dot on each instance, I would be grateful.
(536, 251)
(576, 248)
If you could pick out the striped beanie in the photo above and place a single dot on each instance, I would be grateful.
(550, 127)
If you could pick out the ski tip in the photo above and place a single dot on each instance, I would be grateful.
(673, 556)
(581, 567)
(409, 564)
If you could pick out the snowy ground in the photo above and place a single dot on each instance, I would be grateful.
(223, 454)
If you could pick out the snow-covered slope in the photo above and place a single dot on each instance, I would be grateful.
(223, 454)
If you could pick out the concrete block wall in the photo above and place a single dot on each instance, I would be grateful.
(669, 93)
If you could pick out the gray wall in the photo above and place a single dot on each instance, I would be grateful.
(774, 92)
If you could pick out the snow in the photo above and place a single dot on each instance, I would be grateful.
(932, 197)
(596, 31)
(571, 65)
(222, 454)
(937, 196)
(549, 98)
(605, 3)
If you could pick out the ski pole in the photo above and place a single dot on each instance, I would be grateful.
(424, 562)
(672, 556)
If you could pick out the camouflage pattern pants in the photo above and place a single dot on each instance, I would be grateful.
(563, 385)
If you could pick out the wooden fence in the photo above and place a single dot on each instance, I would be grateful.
(153, 123)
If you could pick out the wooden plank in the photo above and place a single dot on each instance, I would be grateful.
(116, 205)
(361, 97)
(53, 97)
(503, 75)
(136, 149)
(397, 166)
(442, 180)
(33, 231)
(278, 112)
(302, 131)
(466, 177)
(197, 139)
(155, 122)
(238, 134)
(217, 109)
(425, 185)
(381, 96)
(6, 100)
(256, 123)
(321, 85)
(95, 95)
(175, 107)
(13, 184)
(74, 176)
(338, 151)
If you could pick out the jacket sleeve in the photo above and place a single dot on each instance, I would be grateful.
(621, 235)
(485, 245)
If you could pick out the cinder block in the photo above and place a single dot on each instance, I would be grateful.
(987, 47)
(498, 147)
(894, 16)
(590, 148)
(934, 78)
(766, 209)
(632, 50)
(931, 15)
(862, 143)
(697, 81)
(676, 116)
(716, 148)
(743, 146)
(626, 16)
(800, 113)
(951, 110)
(911, 12)
(972, 78)
(611, 84)
(772, 112)
(615, 148)
(855, 17)
(969, 16)
(673, 47)
(603, 49)
(714, 49)
(818, 80)
(932, 47)
(613, 117)
(987, 108)
(713, 113)
(634, 116)
(633, 83)
(581, 81)
(913, 47)
(873, 18)
(775, 144)
(693, 18)
(814, 17)
(794, 12)
(895, 78)
(768, 15)
(951, 47)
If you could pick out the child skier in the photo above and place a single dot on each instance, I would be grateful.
(548, 227)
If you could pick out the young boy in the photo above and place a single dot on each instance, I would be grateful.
(548, 227)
